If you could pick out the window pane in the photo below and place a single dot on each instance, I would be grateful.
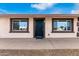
(22, 25)
(62, 25)
(69, 25)
(19, 25)
(55, 25)
(15, 25)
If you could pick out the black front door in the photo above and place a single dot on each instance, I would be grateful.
(39, 28)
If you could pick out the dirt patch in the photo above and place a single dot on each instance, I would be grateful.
(40, 52)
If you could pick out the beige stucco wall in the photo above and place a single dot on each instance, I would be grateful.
(5, 29)
(49, 34)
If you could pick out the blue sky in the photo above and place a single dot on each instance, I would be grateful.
(39, 8)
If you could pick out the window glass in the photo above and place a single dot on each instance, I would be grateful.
(15, 25)
(62, 25)
(19, 25)
(22, 25)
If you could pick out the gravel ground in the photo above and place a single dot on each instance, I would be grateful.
(41, 52)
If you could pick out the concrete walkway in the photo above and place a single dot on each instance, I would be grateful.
(39, 44)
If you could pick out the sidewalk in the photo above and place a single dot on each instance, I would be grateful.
(39, 44)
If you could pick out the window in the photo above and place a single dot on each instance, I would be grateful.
(19, 25)
(62, 25)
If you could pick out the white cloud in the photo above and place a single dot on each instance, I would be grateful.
(75, 12)
(42, 6)
(2, 11)
(76, 9)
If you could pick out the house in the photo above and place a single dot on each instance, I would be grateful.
(39, 26)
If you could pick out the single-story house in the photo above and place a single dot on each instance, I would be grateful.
(39, 26)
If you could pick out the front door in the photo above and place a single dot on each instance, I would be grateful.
(39, 28)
